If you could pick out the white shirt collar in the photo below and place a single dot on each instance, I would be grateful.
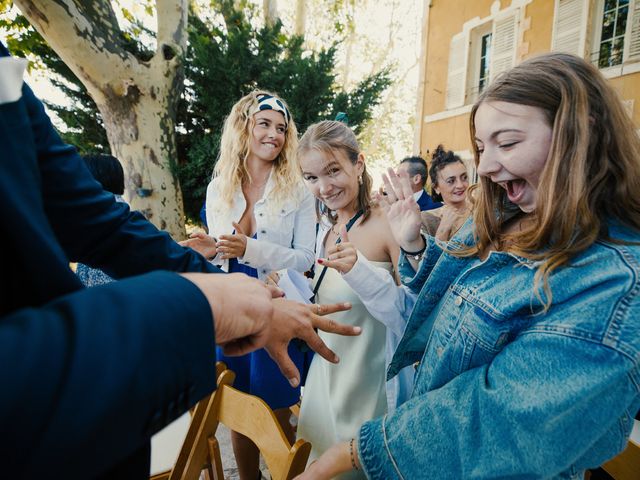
(11, 73)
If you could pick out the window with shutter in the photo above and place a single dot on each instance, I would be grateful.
(456, 73)
(503, 43)
(570, 26)
(616, 36)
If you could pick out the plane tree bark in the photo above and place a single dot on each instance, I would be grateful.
(137, 97)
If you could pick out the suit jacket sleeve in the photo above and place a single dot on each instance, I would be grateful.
(95, 373)
(89, 225)
(86, 375)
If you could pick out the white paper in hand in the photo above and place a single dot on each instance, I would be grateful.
(295, 286)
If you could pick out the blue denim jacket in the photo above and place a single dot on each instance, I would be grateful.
(504, 390)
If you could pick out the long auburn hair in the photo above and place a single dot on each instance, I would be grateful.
(592, 172)
(327, 137)
(235, 148)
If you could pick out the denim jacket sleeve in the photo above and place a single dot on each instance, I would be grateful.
(415, 280)
(505, 419)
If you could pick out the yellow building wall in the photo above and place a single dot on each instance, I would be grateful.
(446, 18)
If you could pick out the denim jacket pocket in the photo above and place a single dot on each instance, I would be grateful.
(477, 340)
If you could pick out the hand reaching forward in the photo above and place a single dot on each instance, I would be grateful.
(336, 460)
(261, 317)
(233, 246)
(241, 322)
(403, 212)
(201, 243)
(297, 320)
(341, 256)
(450, 220)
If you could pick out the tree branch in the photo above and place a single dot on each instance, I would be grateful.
(85, 35)
(172, 26)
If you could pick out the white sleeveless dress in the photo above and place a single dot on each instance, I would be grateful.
(338, 399)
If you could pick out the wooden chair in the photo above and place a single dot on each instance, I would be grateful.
(245, 414)
(625, 466)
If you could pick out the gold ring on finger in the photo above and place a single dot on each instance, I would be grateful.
(317, 309)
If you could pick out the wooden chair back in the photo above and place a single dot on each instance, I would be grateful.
(625, 466)
(245, 414)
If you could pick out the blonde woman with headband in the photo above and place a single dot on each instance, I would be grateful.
(260, 219)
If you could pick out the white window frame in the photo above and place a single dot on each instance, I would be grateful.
(475, 50)
(628, 65)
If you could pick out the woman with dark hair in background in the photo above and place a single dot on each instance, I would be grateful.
(449, 183)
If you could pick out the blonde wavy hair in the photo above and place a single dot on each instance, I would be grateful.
(327, 137)
(592, 172)
(235, 148)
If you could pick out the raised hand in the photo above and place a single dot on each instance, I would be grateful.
(341, 256)
(201, 243)
(296, 320)
(403, 212)
(233, 246)
(450, 220)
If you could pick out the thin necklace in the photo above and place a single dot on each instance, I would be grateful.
(260, 185)
(355, 216)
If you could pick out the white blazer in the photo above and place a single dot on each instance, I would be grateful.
(285, 233)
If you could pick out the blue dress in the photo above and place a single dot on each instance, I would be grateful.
(257, 374)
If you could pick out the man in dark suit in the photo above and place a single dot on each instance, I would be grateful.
(416, 169)
(88, 375)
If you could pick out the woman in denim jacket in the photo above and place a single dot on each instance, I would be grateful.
(527, 325)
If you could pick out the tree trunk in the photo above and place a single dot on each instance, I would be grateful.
(137, 99)
(301, 17)
(140, 127)
(270, 8)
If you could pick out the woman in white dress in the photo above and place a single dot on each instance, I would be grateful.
(338, 398)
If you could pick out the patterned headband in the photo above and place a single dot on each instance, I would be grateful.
(269, 102)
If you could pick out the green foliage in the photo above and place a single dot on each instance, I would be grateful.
(226, 61)
(226, 58)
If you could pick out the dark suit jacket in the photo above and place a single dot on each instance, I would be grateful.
(426, 203)
(87, 375)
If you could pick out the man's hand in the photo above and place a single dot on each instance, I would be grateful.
(296, 320)
(242, 309)
(201, 243)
